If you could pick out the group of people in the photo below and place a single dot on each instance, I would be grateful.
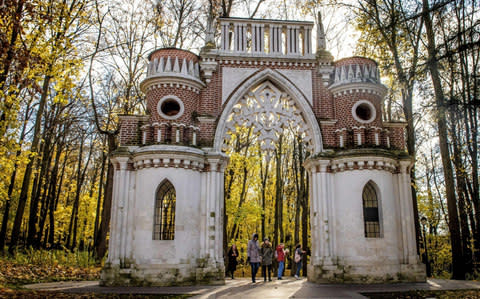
(264, 255)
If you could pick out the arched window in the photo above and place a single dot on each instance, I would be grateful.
(370, 211)
(164, 218)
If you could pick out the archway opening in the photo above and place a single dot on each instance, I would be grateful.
(266, 184)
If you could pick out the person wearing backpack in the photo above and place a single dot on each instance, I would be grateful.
(298, 259)
(280, 256)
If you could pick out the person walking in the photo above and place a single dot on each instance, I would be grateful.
(232, 259)
(267, 259)
(253, 255)
(298, 259)
(280, 255)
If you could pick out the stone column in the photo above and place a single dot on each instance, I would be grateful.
(212, 207)
(118, 213)
(406, 210)
(225, 36)
(322, 262)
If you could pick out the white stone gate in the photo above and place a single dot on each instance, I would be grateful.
(167, 211)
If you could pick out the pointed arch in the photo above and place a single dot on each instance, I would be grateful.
(371, 210)
(285, 84)
(164, 213)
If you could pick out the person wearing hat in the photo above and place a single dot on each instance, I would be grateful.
(253, 255)
(267, 257)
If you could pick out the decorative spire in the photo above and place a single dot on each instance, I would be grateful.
(210, 32)
(321, 41)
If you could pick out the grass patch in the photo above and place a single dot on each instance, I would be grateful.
(424, 294)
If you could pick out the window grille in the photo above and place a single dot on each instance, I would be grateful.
(370, 212)
(164, 218)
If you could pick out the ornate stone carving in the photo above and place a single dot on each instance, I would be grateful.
(269, 111)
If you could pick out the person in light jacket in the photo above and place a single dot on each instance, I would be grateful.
(253, 255)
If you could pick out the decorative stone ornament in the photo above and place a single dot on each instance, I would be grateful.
(170, 107)
(263, 76)
(364, 112)
(269, 112)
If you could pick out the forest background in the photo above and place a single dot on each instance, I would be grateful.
(69, 67)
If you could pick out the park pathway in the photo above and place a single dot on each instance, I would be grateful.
(244, 288)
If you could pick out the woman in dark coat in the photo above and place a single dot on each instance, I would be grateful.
(232, 259)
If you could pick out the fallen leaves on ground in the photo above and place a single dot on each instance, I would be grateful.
(457, 294)
(9, 293)
(19, 274)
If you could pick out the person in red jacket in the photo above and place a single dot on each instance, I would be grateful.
(280, 255)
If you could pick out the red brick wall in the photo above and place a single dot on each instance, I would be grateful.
(343, 109)
(189, 98)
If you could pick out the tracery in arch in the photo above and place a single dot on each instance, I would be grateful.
(269, 111)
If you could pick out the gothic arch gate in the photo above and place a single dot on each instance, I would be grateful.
(167, 224)
(263, 103)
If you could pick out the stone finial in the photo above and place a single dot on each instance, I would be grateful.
(321, 40)
(210, 30)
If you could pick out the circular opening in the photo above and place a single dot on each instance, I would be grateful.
(170, 107)
(363, 112)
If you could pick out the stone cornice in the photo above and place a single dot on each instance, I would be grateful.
(206, 119)
(249, 60)
(329, 122)
(168, 156)
(168, 148)
(396, 124)
(133, 117)
(359, 159)
(172, 80)
(349, 88)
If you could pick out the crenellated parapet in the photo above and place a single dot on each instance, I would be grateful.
(356, 74)
(171, 66)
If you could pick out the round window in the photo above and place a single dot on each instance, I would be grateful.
(170, 107)
(363, 111)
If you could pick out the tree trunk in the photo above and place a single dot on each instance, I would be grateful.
(278, 190)
(101, 248)
(458, 261)
(29, 169)
(99, 198)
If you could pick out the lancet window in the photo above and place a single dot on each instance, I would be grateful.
(371, 217)
(164, 218)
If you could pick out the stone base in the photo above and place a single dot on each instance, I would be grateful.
(161, 275)
(367, 274)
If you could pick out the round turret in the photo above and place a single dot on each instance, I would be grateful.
(172, 88)
(358, 96)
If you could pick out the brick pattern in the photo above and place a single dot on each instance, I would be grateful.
(323, 106)
(397, 137)
(129, 131)
(329, 136)
(189, 98)
(343, 109)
